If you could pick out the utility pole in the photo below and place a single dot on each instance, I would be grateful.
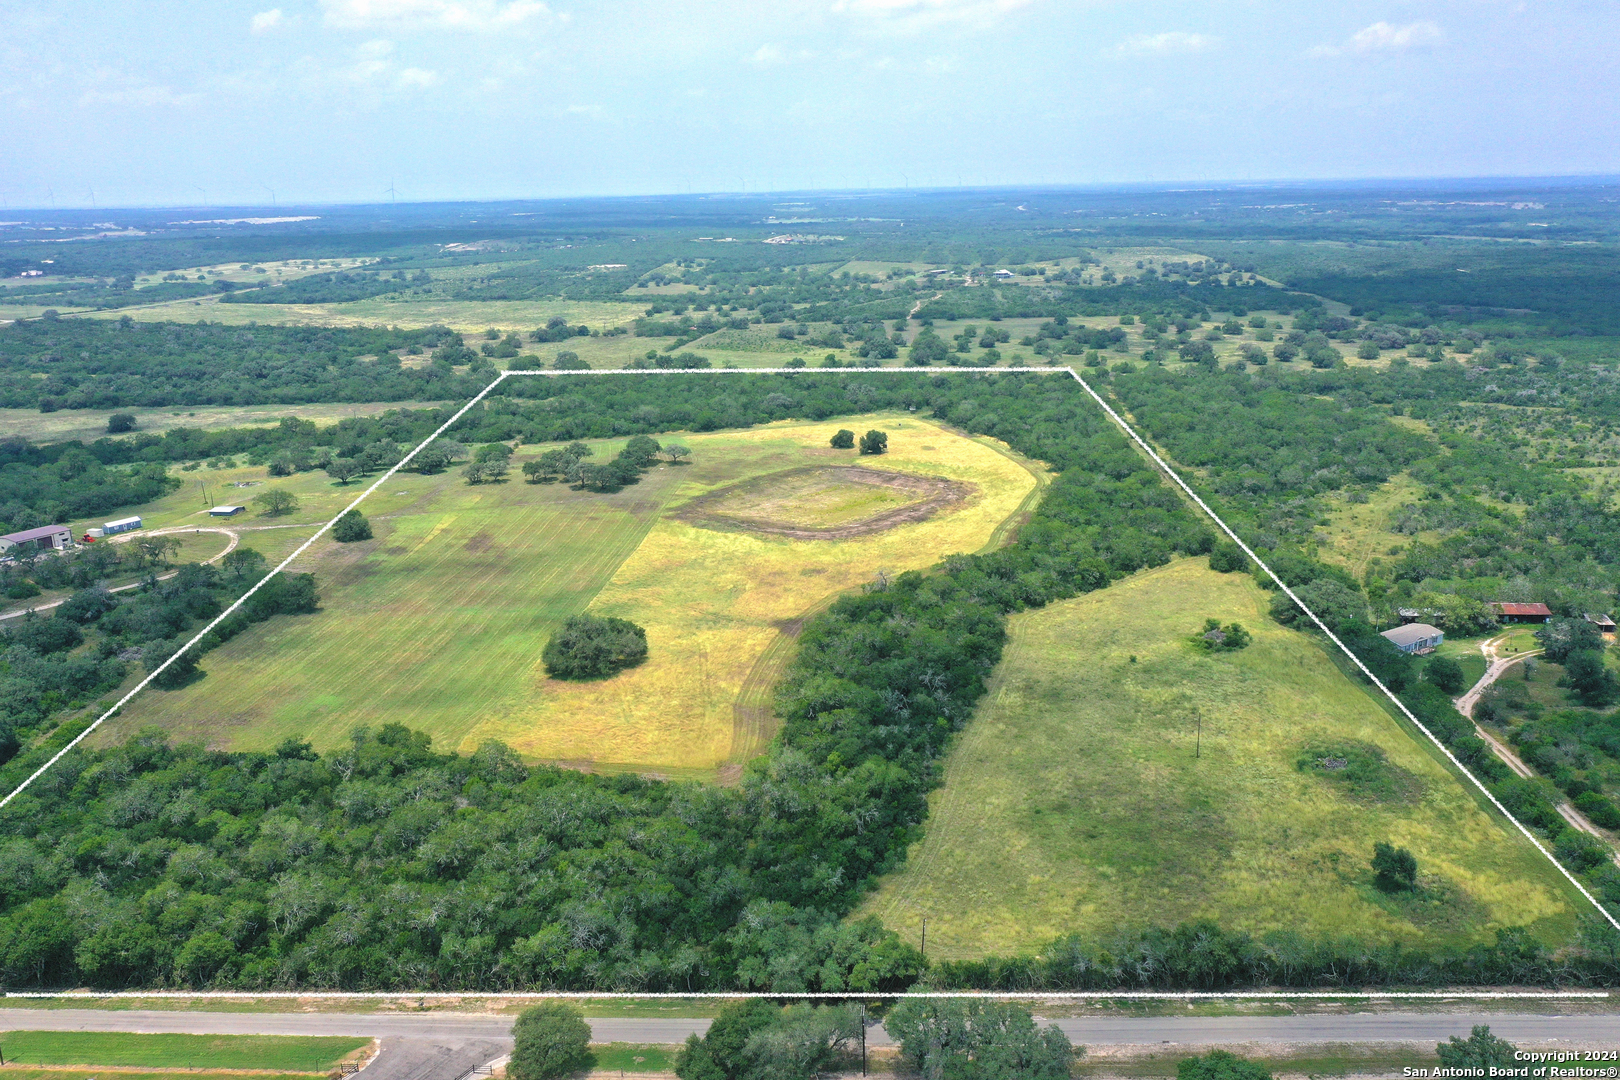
(863, 1038)
(924, 949)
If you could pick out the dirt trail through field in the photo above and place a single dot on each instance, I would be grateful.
(936, 494)
(1496, 665)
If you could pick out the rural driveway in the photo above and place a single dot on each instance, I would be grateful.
(235, 538)
(472, 1035)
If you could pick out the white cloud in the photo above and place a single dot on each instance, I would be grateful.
(418, 79)
(144, 96)
(919, 14)
(473, 15)
(768, 55)
(1386, 37)
(1169, 43)
(375, 49)
(267, 20)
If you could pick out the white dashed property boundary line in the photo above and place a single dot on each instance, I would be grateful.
(155, 672)
(807, 995)
(1354, 659)
(1108, 409)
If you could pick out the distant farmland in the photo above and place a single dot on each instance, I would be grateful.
(438, 622)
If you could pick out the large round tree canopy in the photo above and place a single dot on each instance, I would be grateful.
(592, 647)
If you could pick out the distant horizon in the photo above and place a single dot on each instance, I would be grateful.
(282, 207)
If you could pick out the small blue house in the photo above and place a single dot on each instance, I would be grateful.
(122, 525)
(1415, 638)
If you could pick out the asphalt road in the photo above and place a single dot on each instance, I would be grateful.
(492, 1035)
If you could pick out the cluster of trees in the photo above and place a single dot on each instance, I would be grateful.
(61, 662)
(955, 1039)
(1217, 638)
(103, 364)
(568, 464)
(594, 647)
(489, 465)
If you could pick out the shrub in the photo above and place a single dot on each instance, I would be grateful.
(120, 422)
(350, 527)
(1480, 1050)
(592, 647)
(843, 439)
(548, 1042)
(1220, 1065)
(1599, 808)
(1396, 868)
(1227, 558)
(875, 442)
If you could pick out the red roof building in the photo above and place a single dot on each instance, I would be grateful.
(1521, 612)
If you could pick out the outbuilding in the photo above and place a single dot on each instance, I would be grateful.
(122, 525)
(1521, 613)
(1604, 624)
(226, 511)
(1415, 638)
(55, 537)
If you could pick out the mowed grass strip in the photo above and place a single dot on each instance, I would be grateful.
(714, 602)
(268, 1053)
(1075, 802)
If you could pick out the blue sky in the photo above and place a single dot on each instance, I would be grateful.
(171, 103)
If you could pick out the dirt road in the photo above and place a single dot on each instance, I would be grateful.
(124, 538)
(1496, 665)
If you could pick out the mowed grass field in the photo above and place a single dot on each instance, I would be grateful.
(439, 621)
(267, 1053)
(1075, 802)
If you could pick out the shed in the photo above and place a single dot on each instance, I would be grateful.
(56, 537)
(122, 525)
(1522, 613)
(1415, 638)
(1604, 624)
(1410, 615)
(226, 511)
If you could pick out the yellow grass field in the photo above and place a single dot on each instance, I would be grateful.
(439, 621)
(1079, 798)
(713, 603)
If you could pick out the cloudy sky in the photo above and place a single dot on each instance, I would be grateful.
(173, 103)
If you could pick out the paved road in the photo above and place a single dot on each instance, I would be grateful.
(492, 1034)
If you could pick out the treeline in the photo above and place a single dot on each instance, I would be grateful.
(1204, 956)
(337, 287)
(104, 364)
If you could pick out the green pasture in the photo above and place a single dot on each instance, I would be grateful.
(118, 1049)
(1082, 797)
(438, 622)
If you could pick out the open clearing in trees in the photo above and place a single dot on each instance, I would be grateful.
(438, 622)
(1074, 801)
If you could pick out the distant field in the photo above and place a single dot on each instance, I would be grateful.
(91, 424)
(465, 315)
(438, 623)
(1075, 801)
(266, 1053)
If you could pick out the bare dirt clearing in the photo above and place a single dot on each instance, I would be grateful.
(826, 502)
